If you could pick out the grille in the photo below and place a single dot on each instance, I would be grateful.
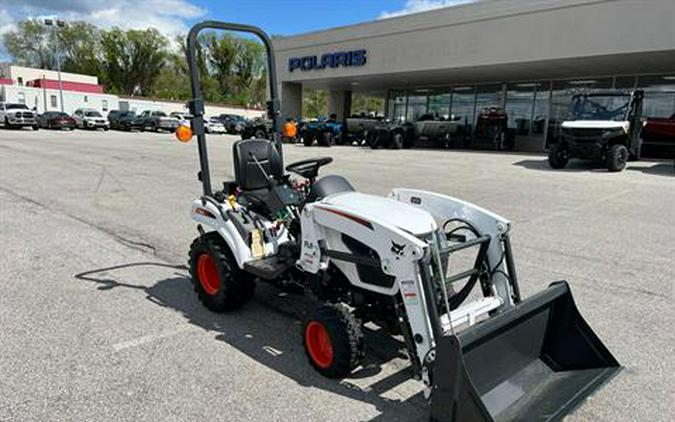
(584, 133)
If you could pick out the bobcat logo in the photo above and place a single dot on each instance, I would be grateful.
(397, 249)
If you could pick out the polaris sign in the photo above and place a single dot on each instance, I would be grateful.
(354, 58)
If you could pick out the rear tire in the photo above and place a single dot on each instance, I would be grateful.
(36, 127)
(260, 134)
(617, 156)
(307, 140)
(326, 139)
(333, 341)
(220, 285)
(558, 156)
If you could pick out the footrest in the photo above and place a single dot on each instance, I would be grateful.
(268, 268)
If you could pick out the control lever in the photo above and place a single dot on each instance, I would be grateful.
(262, 169)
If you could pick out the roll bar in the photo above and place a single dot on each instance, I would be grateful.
(196, 105)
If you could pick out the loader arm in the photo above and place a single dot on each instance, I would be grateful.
(445, 208)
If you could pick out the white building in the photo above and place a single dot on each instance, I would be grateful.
(39, 89)
(525, 56)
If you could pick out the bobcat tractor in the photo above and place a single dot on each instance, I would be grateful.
(480, 351)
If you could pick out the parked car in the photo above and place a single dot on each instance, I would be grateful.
(56, 120)
(233, 123)
(15, 115)
(213, 125)
(158, 120)
(183, 118)
(88, 118)
(130, 121)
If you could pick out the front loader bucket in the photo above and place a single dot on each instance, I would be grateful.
(535, 362)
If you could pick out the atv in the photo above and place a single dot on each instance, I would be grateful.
(325, 131)
(389, 261)
(604, 126)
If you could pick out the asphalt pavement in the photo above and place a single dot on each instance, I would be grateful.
(98, 320)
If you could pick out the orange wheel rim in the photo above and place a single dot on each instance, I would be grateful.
(207, 272)
(319, 344)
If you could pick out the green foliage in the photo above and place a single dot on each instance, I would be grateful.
(362, 103)
(30, 44)
(314, 103)
(132, 60)
(143, 62)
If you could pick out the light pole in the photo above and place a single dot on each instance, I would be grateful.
(59, 23)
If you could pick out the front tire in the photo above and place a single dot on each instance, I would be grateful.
(397, 141)
(333, 341)
(558, 156)
(260, 134)
(220, 285)
(617, 156)
(307, 140)
(326, 139)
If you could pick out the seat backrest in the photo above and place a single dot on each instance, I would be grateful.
(246, 171)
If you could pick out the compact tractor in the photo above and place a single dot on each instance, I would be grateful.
(480, 351)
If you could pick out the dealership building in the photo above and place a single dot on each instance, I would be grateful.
(528, 57)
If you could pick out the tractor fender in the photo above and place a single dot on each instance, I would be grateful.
(214, 219)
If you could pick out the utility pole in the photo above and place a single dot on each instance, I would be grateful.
(60, 24)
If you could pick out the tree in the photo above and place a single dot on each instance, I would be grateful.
(315, 103)
(132, 59)
(30, 45)
(80, 46)
(362, 103)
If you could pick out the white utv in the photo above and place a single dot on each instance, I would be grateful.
(391, 261)
(603, 126)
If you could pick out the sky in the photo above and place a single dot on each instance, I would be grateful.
(172, 17)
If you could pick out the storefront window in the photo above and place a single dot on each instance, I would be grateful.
(659, 100)
(439, 103)
(541, 108)
(490, 95)
(519, 105)
(417, 104)
(396, 107)
(624, 82)
(463, 104)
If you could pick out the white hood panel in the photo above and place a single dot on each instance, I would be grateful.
(384, 210)
(595, 124)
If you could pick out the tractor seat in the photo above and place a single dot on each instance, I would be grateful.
(254, 184)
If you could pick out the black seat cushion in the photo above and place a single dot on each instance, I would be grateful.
(247, 172)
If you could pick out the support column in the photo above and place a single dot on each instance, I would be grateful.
(340, 103)
(291, 100)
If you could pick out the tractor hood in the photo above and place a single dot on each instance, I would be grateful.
(384, 211)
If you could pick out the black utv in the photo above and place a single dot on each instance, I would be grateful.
(257, 128)
(603, 126)
(390, 134)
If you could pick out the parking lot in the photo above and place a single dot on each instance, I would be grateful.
(98, 320)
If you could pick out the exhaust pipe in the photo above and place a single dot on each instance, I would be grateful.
(536, 362)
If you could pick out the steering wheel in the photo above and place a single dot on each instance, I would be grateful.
(308, 169)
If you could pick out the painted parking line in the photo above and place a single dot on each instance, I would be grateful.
(140, 341)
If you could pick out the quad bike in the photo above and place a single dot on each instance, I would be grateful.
(391, 261)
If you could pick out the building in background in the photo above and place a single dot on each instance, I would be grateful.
(39, 90)
(528, 57)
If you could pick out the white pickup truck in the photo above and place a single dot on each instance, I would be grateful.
(14, 115)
